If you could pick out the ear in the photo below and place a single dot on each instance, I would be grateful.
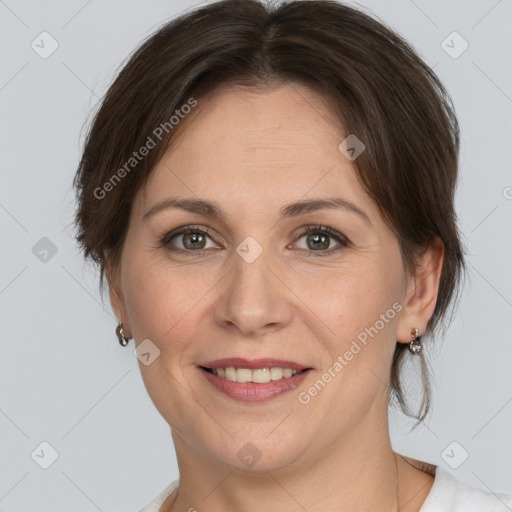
(421, 295)
(113, 275)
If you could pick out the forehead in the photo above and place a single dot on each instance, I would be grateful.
(245, 145)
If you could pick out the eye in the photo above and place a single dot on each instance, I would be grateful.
(319, 238)
(192, 239)
(188, 239)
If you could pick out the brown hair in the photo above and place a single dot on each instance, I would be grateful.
(378, 86)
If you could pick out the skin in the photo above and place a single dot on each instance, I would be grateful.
(252, 152)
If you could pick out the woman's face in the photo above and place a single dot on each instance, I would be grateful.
(257, 285)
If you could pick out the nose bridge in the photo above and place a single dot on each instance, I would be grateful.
(252, 297)
(250, 270)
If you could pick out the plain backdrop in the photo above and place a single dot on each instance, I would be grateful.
(65, 380)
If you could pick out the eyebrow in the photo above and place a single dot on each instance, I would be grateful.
(213, 210)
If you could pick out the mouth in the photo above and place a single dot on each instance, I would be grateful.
(237, 369)
(258, 375)
(253, 380)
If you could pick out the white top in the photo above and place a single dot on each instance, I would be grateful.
(446, 495)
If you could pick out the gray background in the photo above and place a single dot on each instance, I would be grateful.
(65, 380)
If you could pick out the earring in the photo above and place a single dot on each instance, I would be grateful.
(415, 344)
(123, 340)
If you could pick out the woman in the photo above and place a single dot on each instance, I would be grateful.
(269, 192)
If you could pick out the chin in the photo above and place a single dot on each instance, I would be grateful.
(260, 453)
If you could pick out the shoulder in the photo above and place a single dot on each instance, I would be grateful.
(155, 504)
(448, 494)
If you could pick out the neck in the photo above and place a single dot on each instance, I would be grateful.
(357, 473)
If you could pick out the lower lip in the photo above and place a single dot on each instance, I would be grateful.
(251, 391)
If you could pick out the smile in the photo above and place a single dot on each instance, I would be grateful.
(253, 381)
(259, 375)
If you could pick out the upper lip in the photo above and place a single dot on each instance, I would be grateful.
(267, 362)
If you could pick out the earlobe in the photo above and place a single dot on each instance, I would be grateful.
(117, 299)
(421, 296)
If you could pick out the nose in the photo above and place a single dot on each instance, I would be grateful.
(253, 299)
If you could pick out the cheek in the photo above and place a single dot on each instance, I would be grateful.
(351, 297)
(160, 306)
(164, 301)
(154, 296)
(360, 305)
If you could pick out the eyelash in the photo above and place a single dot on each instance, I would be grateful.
(318, 229)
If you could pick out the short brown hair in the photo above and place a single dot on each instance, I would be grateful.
(378, 86)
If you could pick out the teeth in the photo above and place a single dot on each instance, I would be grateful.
(230, 373)
(276, 373)
(243, 375)
(259, 375)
